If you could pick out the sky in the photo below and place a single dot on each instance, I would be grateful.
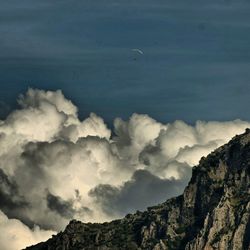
(195, 64)
(106, 106)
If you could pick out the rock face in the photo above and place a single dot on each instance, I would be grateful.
(212, 213)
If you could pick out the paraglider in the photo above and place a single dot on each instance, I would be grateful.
(138, 50)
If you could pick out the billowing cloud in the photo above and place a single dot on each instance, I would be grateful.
(15, 235)
(9, 197)
(55, 167)
(143, 190)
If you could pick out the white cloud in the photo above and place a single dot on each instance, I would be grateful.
(33, 98)
(15, 235)
(63, 167)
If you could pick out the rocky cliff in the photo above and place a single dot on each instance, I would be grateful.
(212, 213)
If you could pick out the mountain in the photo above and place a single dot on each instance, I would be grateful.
(212, 213)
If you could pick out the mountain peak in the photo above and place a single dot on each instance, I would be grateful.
(212, 213)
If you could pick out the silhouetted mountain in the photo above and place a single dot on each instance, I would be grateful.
(212, 213)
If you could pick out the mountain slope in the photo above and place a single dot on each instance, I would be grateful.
(212, 213)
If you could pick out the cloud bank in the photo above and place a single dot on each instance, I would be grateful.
(15, 235)
(55, 167)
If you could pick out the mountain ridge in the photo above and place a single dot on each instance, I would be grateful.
(212, 213)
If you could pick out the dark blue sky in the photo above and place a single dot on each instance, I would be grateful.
(196, 62)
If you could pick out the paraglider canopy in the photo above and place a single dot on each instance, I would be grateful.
(138, 50)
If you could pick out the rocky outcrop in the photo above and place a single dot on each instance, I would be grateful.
(212, 213)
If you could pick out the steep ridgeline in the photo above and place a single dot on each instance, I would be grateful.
(213, 212)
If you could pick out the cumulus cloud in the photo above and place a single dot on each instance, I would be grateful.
(55, 167)
(143, 190)
(15, 235)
